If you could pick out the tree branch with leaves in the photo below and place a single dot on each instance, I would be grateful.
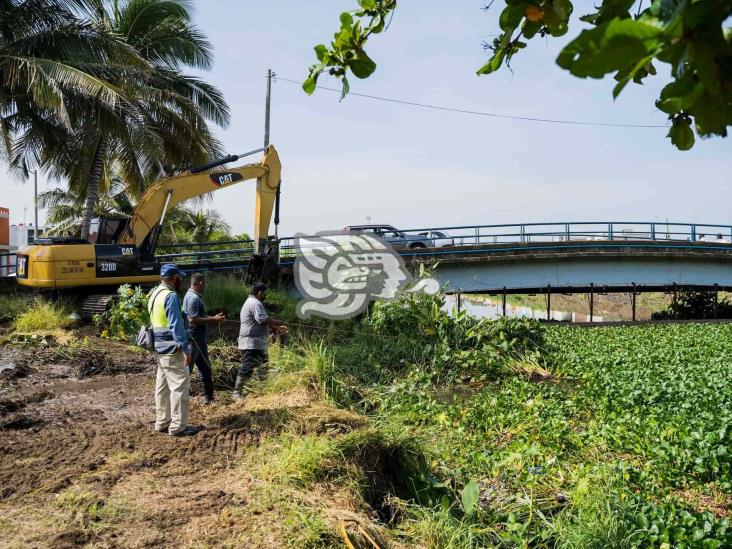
(627, 43)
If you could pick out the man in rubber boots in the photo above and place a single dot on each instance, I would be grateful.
(253, 340)
(173, 353)
(198, 323)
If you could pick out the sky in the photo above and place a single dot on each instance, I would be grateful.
(359, 160)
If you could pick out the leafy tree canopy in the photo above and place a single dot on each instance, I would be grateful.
(624, 40)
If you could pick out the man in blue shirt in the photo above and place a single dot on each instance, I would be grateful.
(173, 353)
(195, 310)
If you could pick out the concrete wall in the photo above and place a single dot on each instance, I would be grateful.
(533, 274)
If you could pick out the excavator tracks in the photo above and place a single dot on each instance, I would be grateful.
(95, 304)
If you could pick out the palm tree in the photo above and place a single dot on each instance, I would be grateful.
(66, 208)
(161, 127)
(197, 225)
(52, 63)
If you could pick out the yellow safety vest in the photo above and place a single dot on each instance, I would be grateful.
(164, 341)
(158, 316)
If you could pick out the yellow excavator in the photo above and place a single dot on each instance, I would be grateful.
(122, 250)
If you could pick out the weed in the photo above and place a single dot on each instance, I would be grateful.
(13, 304)
(43, 315)
(91, 512)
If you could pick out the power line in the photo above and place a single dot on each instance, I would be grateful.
(478, 113)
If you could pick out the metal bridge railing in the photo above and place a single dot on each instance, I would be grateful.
(470, 235)
(7, 264)
(579, 231)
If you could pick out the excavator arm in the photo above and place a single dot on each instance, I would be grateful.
(145, 224)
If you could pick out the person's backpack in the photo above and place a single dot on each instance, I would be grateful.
(146, 336)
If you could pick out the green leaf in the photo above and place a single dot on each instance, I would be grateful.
(470, 494)
(563, 9)
(346, 20)
(362, 65)
(608, 10)
(320, 52)
(612, 46)
(367, 4)
(679, 95)
(345, 89)
(530, 28)
(511, 16)
(494, 63)
(309, 85)
(681, 134)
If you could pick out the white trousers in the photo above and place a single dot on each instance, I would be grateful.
(172, 393)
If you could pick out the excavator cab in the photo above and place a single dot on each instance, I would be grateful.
(107, 230)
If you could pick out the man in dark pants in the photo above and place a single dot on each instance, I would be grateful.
(253, 340)
(198, 322)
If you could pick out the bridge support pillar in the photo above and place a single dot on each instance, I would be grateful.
(549, 302)
(503, 299)
(633, 301)
(592, 301)
(459, 302)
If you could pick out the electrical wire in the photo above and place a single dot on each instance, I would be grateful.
(278, 78)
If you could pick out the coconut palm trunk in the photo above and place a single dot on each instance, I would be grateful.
(93, 190)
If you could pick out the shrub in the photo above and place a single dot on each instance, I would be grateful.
(694, 305)
(127, 313)
(44, 315)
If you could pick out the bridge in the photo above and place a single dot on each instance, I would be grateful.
(567, 257)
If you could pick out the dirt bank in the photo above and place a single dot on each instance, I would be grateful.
(81, 465)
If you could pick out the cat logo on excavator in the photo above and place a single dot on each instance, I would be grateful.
(225, 178)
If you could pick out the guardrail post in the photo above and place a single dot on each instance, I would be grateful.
(633, 299)
(693, 233)
(610, 231)
(566, 231)
(523, 233)
(477, 235)
(653, 231)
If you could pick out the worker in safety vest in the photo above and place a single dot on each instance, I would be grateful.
(173, 353)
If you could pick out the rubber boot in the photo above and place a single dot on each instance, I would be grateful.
(240, 380)
(208, 391)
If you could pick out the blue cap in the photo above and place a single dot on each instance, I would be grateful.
(171, 269)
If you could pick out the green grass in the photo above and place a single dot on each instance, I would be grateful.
(43, 315)
(589, 443)
(91, 512)
(13, 304)
(228, 293)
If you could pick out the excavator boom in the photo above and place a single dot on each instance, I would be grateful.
(128, 257)
(147, 218)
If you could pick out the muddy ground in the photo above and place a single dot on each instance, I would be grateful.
(80, 464)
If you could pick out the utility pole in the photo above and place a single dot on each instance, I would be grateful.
(266, 107)
(35, 203)
(266, 144)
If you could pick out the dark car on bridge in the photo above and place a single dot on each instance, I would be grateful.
(395, 237)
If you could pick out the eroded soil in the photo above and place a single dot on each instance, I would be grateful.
(80, 464)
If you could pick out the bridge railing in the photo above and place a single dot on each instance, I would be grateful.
(7, 264)
(580, 231)
(575, 231)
